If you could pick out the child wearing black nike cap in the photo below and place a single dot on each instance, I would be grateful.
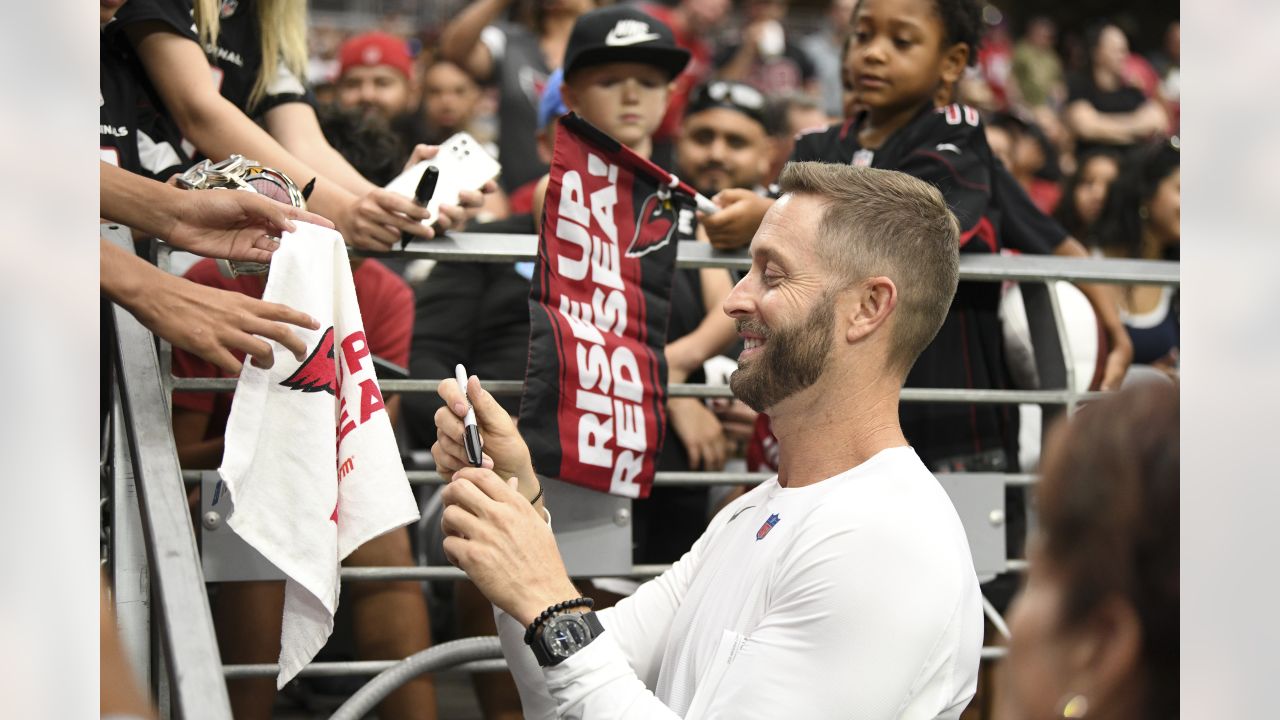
(618, 71)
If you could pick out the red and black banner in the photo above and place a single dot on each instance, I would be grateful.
(594, 406)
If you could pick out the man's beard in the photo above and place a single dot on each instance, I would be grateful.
(710, 188)
(791, 359)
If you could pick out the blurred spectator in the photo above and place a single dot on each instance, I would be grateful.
(791, 115)
(375, 74)
(995, 64)
(1028, 155)
(1038, 74)
(1103, 108)
(825, 49)
(1095, 628)
(1142, 219)
(517, 57)
(1086, 191)
(764, 56)
(693, 23)
(1037, 68)
(449, 100)
(1165, 62)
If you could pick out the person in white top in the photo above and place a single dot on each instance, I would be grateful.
(841, 588)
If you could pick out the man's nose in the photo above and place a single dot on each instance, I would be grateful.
(739, 303)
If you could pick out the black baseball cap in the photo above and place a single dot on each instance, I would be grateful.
(620, 33)
(730, 96)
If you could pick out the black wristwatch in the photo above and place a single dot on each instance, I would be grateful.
(564, 634)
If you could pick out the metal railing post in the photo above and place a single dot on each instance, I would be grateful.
(184, 623)
(129, 572)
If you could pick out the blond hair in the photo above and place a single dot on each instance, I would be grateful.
(883, 222)
(282, 31)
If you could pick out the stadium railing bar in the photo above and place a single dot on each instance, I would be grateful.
(189, 649)
(189, 681)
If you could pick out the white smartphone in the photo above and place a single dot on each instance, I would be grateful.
(463, 165)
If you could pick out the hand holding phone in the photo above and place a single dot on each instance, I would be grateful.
(461, 164)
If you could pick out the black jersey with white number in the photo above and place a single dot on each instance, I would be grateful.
(234, 60)
(948, 148)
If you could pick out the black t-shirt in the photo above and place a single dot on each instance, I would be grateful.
(132, 135)
(236, 58)
(117, 109)
(1125, 99)
(948, 148)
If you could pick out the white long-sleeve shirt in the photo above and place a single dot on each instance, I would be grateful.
(859, 601)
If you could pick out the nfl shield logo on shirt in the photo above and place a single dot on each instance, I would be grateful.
(766, 526)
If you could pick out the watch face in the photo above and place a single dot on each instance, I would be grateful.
(565, 635)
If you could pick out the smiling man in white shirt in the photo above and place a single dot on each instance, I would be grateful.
(841, 588)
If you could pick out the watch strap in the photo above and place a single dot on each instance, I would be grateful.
(544, 656)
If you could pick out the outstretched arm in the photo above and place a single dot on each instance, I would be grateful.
(206, 321)
(232, 225)
(1105, 305)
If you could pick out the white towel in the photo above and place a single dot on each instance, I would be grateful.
(300, 504)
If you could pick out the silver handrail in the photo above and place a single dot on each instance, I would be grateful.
(500, 248)
(185, 623)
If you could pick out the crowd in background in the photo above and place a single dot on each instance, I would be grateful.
(1086, 126)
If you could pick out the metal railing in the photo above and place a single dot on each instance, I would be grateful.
(190, 684)
(481, 247)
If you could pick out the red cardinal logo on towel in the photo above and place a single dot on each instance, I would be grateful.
(316, 372)
(655, 225)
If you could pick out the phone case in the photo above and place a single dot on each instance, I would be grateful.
(463, 165)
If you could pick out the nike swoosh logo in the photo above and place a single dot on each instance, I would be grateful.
(612, 38)
(735, 515)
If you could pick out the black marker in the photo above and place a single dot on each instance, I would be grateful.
(422, 195)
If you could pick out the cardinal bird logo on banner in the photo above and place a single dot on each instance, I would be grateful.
(655, 224)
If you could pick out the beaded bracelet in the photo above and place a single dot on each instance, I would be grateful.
(547, 614)
(537, 495)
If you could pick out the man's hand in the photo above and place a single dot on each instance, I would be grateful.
(503, 544)
(736, 222)
(504, 450)
(233, 225)
(737, 419)
(699, 431)
(213, 323)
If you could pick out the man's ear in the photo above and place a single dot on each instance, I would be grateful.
(954, 60)
(874, 300)
(1107, 652)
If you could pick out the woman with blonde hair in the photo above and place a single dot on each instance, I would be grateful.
(229, 73)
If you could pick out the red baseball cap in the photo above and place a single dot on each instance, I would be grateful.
(375, 48)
